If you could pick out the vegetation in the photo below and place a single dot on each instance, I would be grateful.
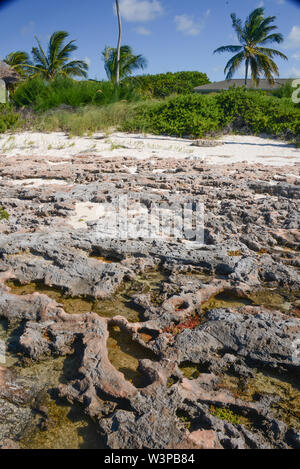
(3, 214)
(19, 61)
(49, 99)
(190, 323)
(253, 36)
(238, 110)
(85, 120)
(39, 95)
(180, 115)
(226, 414)
(56, 61)
(9, 119)
(87, 106)
(166, 84)
(285, 91)
(128, 63)
(51, 64)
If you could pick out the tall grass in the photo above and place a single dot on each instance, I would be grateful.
(40, 95)
(84, 120)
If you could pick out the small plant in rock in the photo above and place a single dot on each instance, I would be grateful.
(190, 323)
(225, 414)
(3, 214)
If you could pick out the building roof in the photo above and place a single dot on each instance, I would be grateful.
(8, 74)
(226, 84)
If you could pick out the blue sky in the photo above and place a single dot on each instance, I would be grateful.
(173, 35)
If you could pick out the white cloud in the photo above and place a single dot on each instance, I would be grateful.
(28, 28)
(142, 31)
(140, 10)
(295, 72)
(296, 56)
(88, 61)
(188, 25)
(293, 39)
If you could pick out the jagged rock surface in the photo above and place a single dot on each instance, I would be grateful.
(252, 245)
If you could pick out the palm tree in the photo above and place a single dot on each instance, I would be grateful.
(254, 35)
(56, 61)
(119, 42)
(19, 61)
(128, 62)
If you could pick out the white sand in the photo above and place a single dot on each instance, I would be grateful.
(37, 182)
(235, 149)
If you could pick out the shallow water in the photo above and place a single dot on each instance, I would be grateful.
(120, 304)
(124, 354)
(8, 357)
(286, 405)
(192, 370)
(276, 299)
(225, 300)
(67, 427)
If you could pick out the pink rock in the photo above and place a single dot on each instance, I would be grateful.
(205, 439)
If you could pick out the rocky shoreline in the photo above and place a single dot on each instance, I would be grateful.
(171, 345)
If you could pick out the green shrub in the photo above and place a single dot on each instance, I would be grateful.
(9, 119)
(166, 84)
(285, 91)
(42, 96)
(255, 112)
(189, 115)
(238, 110)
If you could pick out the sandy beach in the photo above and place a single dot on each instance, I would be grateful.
(232, 148)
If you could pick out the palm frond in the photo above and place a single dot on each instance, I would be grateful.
(57, 60)
(272, 53)
(129, 62)
(233, 64)
(76, 68)
(272, 38)
(255, 70)
(39, 54)
(237, 25)
(55, 44)
(227, 49)
(18, 61)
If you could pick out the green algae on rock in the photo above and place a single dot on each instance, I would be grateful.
(192, 370)
(274, 299)
(124, 354)
(66, 427)
(119, 305)
(58, 425)
(225, 299)
(286, 393)
(224, 413)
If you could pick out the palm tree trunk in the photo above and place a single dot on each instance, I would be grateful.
(119, 42)
(246, 74)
